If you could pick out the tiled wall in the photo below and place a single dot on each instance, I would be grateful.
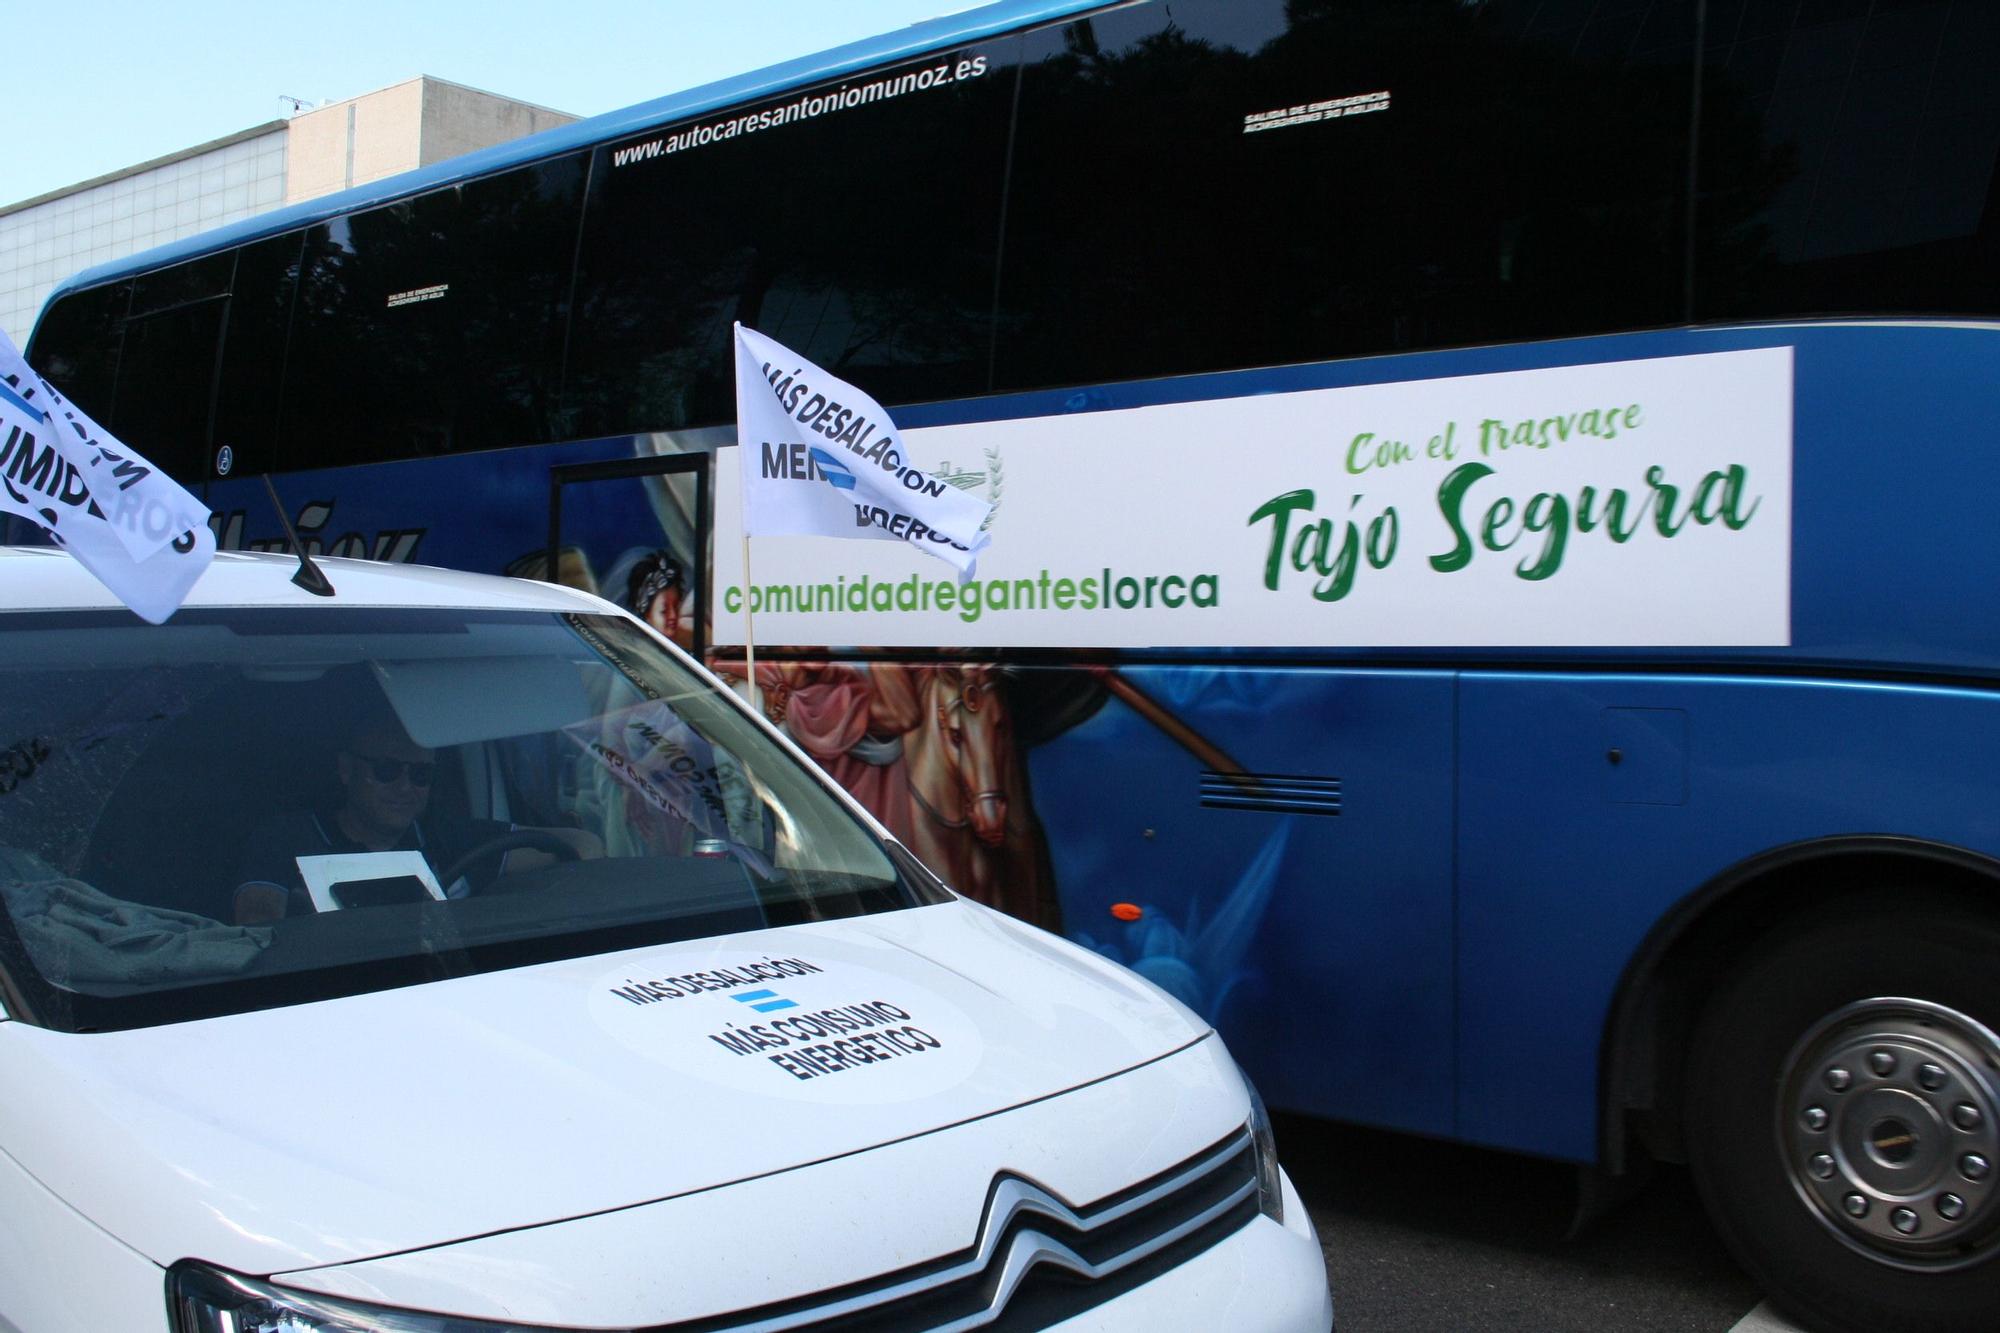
(42, 245)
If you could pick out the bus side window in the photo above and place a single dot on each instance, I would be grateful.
(862, 235)
(166, 379)
(1847, 163)
(433, 325)
(1315, 180)
(253, 357)
(166, 390)
(76, 346)
(77, 342)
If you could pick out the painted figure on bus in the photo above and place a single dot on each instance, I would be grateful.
(851, 717)
(655, 590)
(973, 820)
(931, 752)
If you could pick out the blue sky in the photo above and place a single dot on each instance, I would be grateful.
(96, 85)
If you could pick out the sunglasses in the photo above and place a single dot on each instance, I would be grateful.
(386, 771)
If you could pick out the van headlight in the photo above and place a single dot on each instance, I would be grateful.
(207, 1300)
(1270, 1189)
(1263, 1144)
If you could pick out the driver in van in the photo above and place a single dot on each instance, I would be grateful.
(385, 783)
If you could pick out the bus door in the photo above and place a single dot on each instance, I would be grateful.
(595, 510)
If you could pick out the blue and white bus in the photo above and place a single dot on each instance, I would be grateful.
(1493, 590)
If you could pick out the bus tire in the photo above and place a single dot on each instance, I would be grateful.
(1843, 1120)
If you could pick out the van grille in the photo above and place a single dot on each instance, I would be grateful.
(1037, 1260)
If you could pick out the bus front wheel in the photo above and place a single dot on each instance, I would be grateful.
(1844, 1118)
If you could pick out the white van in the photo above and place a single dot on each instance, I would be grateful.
(453, 955)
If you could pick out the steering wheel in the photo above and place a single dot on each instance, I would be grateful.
(541, 840)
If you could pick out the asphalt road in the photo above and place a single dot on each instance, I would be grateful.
(1438, 1237)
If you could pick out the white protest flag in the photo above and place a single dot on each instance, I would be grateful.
(821, 457)
(124, 520)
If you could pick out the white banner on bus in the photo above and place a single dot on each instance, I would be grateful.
(1642, 503)
(821, 457)
(143, 535)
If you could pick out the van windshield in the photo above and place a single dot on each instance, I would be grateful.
(250, 808)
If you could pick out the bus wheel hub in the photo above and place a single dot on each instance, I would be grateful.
(1890, 1129)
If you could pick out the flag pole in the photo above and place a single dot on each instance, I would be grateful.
(743, 512)
(749, 638)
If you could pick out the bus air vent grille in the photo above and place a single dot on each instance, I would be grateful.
(1281, 793)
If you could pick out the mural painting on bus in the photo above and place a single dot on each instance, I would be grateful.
(940, 753)
(944, 755)
(930, 749)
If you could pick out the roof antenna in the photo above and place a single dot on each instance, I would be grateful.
(308, 575)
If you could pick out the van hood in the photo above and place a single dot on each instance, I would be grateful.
(342, 1130)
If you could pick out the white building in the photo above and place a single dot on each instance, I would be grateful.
(318, 151)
